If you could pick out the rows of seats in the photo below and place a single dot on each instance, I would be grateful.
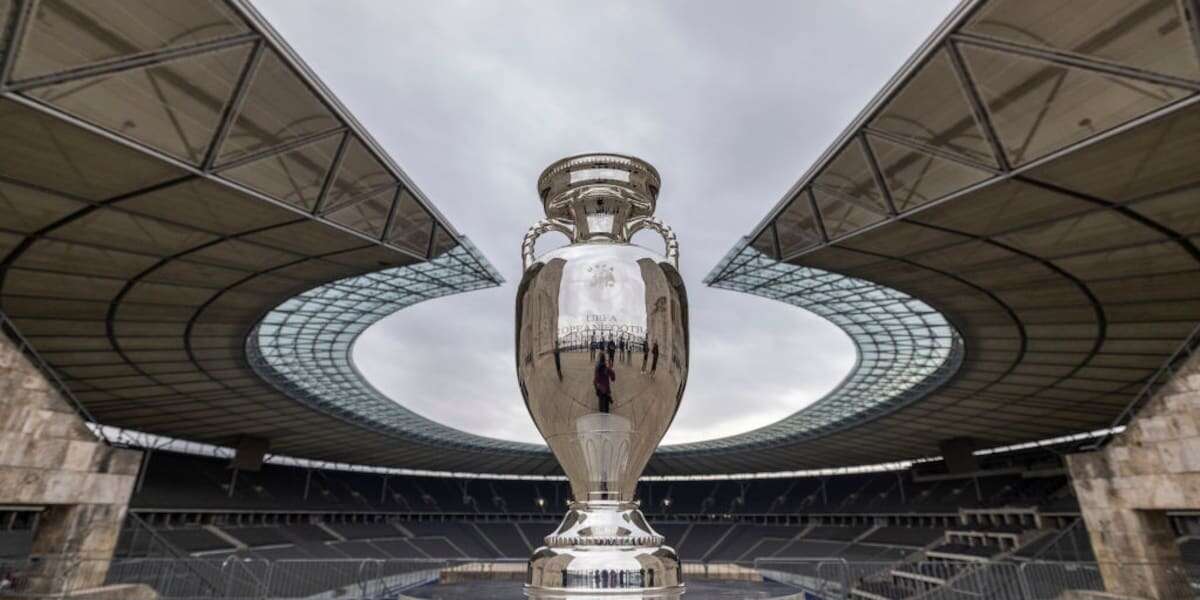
(506, 538)
(905, 536)
(885, 560)
(175, 480)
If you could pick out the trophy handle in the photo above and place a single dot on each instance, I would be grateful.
(535, 232)
(668, 235)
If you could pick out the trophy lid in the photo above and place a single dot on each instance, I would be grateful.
(624, 177)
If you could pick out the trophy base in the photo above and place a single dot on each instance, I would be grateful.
(604, 550)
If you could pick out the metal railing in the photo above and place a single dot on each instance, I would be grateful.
(1048, 580)
(229, 578)
(835, 578)
(1160, 377)
(250, 578)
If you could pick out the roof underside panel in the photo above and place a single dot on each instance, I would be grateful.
(161, 183)
(1009, 233)
(1041, 192)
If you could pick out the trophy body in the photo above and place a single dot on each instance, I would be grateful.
(602, 357)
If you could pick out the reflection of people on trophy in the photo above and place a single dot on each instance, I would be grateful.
(602, 381)
(616, 299)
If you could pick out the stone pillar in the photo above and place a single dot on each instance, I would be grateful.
(49, 458)
(1126, 488)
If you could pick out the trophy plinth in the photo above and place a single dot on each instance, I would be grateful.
(602, 358)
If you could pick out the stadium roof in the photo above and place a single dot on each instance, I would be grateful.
(169, 173)
(195, 231)
(1031, 175)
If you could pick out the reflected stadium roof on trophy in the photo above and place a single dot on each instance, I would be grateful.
(195, 232)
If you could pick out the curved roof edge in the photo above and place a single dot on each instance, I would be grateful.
(303, 346)
(905, 347)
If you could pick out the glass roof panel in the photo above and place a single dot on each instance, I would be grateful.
(1147, 34)
(367, 216)
(915, 178)
(302, 347)
(64, 35)
(797, 227)
(358, 173)
(174, 107)
(1039, 107)
(277, 107)
(906, 348)
(411, 225)
(933, 110)
(295, 176)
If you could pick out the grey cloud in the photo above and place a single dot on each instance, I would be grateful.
(732, 101)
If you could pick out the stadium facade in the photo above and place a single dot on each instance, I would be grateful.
(194, 231)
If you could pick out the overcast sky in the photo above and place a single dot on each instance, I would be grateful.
(731, 101)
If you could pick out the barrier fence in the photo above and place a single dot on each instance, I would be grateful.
(836, 578)
(237, 578)
(232, 578)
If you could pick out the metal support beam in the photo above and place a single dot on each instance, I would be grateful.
(869, 155)
(912, 144)
(367, 195)
(432, 236)
(233, 107)
(277, 150)
(233, 482)
(25, 10)
(816, 211)
(141, 478)
(136, 61)
(977, 106)
(1075, 61)
(387, 223)
(332, 174)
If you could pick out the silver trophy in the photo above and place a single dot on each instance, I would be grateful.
(602, 358)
